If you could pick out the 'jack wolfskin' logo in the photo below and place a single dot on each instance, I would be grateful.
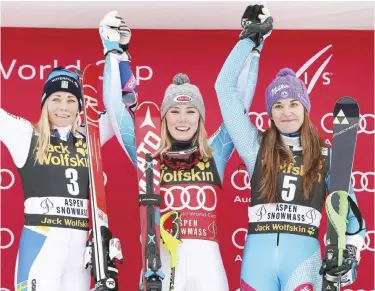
(81, 147)
(204, 164)
(311, 231)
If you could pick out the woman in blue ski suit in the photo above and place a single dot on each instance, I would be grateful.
(200, 265)
(289, 168)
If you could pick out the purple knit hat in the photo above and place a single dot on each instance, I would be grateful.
(286, 85)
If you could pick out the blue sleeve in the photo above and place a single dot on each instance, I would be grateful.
(128, 85)
(221, 141)
(353, 225)
(243, 133)
(222, 145)
(248, 78)
(121, 119)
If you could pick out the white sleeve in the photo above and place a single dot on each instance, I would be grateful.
(16, 134)
(106, 130)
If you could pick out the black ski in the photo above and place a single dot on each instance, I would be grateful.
(345, 126)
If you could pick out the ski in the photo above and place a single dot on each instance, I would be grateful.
(104, 248)
(345, 126)
(147, 132)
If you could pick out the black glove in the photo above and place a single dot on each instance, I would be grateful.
(257, 24)
(251, 14)
(348, 269)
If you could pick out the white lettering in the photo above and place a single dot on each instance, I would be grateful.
(41, 74)
(76, 67)
(138, 73)
(30, 72)
(152, 139)
(326, 78)
(22, 74)
(238, 258)
(7, 74)
(278, 88)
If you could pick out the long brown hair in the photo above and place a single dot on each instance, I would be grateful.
(275, 154)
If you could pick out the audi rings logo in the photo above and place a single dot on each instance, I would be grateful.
(9, 244)
(191, 197)
(364, 124)
(367, 242)
(240, 180)
(361, 181)
(262, 122)
(239, 238)
(6, 183)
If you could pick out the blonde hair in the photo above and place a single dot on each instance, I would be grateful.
(43, 129)
(201, 137)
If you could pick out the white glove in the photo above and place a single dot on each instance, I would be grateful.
(115, 34)
(265, 14)
(115, 251)
(125, 33)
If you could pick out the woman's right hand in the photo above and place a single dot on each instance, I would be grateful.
(114, 32)
(257, 24)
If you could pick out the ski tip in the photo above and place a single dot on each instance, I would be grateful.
(148, 103)
(347, 100)
(346, 106)
(91, 67)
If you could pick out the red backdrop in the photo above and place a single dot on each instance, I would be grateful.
(28, 54)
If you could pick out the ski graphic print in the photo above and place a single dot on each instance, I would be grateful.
(147, 132)
(345, 128)
(103, 245)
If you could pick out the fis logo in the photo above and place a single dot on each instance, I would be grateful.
(326, 76)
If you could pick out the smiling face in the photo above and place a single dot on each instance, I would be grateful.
(62, 108)
(182, 122)
(288, 115)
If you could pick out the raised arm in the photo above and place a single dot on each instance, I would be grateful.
(221, 140)
(119, 83)
(234, 101)
(244, 134)
(15, 133)
(121, 118)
